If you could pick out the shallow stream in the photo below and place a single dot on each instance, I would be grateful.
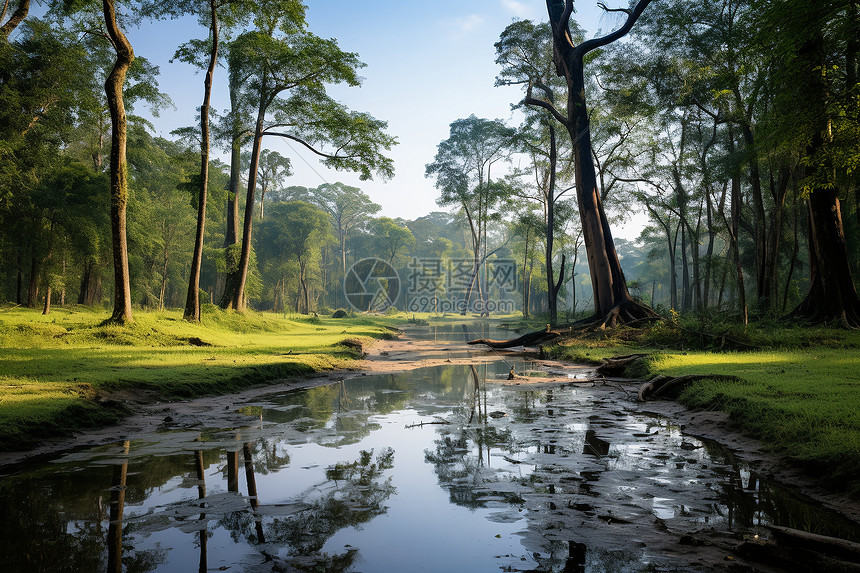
(442, 468)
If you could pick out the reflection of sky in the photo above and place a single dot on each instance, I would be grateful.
(569, 446)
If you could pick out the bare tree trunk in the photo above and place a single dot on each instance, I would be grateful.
(613, 303)
(16, 18)
(118, 169)
(47, 308)
(192, 301)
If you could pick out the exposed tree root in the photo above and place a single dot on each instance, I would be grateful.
(670, 386)
(628, 312)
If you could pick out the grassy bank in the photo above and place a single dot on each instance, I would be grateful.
(57, 372)
(799, 392)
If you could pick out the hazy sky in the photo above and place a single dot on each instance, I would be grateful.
(428, 64)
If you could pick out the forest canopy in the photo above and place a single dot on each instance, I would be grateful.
(733, 124)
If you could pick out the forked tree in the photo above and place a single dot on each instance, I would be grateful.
(612, 301)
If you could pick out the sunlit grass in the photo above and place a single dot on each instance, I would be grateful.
(803, 404)
(54, 368)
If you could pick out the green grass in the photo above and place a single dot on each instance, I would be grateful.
(799, 394)
(56, 371)
(803, 404)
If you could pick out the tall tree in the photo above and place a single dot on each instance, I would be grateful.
(118, 167)
(524, 51)
(612, 301)
(287, 59)
(802, 34)
(463, 171)
(348, 206)
(188, 52)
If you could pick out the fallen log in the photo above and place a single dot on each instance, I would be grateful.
(530, 339)
(616, 365)
(833, 546)
(662, 385)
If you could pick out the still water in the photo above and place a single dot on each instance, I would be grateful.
(436, 469)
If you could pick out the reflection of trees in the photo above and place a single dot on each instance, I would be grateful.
(359, 494)
(460, 464)
(745, 500)
(55, 521)
(341, 413)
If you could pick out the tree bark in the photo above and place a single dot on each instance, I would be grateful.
(612, 300)
(832, 295)
(47, 307)
(232, 232)
(552, 286)
(237, 296)
(16, 18)
(118, 169)
(192, 301)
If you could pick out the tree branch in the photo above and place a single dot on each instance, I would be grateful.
(530, 100)
(632, 16)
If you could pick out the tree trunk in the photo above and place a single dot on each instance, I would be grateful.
(739, 278)
(47, 308)
(525, 282)
(231, 234)
(774, 236)
(686, 291)
(733, 236)
(16, 18)
(237, 299)
(192, 301)
(795, 247)
(33, 283)
(552, 286)
(612, 301)
(832, 296)
(118, 169)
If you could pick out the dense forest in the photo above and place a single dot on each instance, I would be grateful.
(735, 124)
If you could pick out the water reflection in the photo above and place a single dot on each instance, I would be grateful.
(335, 478)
